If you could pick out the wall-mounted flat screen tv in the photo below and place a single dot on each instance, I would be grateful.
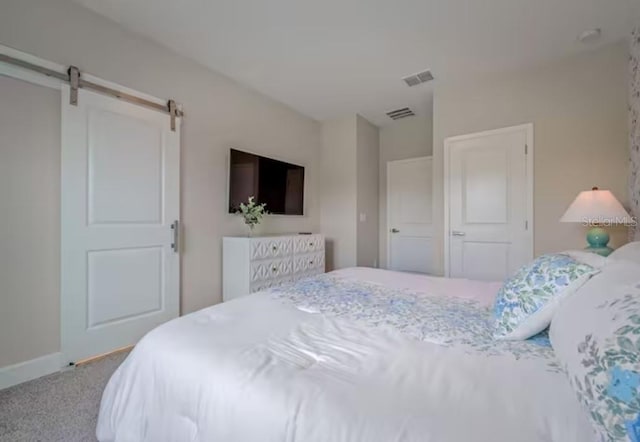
(275, 183)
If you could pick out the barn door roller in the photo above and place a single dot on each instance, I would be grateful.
(76, 82)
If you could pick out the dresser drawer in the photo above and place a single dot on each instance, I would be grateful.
(253, 264)
(308, 274)
(308, 243)
(271, 269)
(308, 261)
(265, 284)
(265, 248)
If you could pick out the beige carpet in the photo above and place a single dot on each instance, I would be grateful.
(59, 407)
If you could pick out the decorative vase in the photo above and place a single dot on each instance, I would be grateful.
(252, 213)
(598, 238)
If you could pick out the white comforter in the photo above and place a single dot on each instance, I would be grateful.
(288, 366)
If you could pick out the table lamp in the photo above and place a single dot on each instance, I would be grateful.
(596, 208)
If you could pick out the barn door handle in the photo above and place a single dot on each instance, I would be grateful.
(457, 233)
(175, 245)
(395, 231)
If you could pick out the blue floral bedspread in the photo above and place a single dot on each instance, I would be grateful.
(447, 321)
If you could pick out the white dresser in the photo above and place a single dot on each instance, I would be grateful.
(257, 263)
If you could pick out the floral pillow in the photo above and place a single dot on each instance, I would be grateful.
(596, 337)
(526, 302)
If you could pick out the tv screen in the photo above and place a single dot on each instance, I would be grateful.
(277, 184)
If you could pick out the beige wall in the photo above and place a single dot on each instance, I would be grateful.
(29, 221)
(349, 174)
(579, 110)
(367, 168)
(219, 114)
(400, 140)
(339, 191)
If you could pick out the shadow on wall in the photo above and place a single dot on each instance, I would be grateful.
(329, 265)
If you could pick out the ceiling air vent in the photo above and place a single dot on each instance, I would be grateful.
(419, 78)
(400, 113)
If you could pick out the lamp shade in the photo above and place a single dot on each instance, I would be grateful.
(596, 207)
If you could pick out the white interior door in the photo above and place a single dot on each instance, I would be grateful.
(490, 200)
(409, 215)
(120, 197)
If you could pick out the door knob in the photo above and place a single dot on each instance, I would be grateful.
(395, 231)
(457, 233)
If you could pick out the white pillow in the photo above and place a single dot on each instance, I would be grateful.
(594, 334)
(593, 259)
(628, 252)
(569, 312)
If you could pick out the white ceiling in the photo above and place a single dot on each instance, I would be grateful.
(329, 58)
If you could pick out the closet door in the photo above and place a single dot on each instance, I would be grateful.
(490, 203)
(409, 215)
(120, 200)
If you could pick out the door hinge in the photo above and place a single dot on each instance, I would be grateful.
(526, 149)
(526, 225)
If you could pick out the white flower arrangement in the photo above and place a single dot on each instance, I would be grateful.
(252, 213)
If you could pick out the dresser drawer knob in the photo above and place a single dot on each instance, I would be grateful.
(273, 269)
(274, 248)
(310, 244)
(310, 262)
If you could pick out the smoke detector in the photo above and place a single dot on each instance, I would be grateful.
(419, 78)
(400, 113)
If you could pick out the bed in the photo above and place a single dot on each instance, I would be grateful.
(352, 355)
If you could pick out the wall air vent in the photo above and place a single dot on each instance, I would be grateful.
(400, 113)
(419, 78)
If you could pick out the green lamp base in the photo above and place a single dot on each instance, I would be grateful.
(598, 238)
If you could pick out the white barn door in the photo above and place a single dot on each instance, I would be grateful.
(409, 215)
(120, 198)
(490, 202)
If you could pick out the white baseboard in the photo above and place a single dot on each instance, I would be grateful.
(28, 370)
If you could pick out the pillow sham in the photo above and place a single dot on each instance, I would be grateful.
(526, 302)
(596, 337)
(593, 259)
(628, 252)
